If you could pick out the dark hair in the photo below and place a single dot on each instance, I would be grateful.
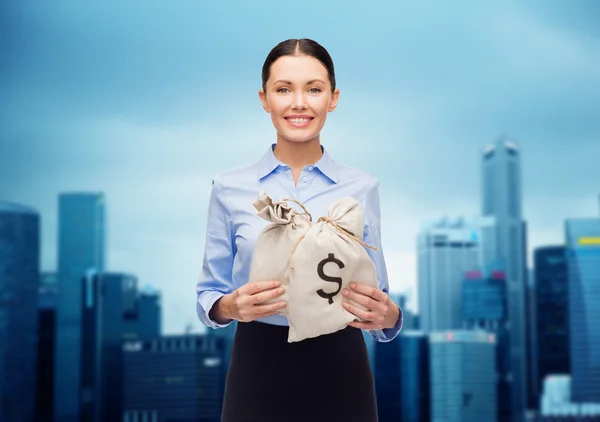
(299, 47)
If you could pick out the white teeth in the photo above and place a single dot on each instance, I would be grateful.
(298, 120)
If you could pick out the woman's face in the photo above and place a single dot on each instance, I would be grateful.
(298, 96)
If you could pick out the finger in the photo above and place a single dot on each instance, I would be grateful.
(259, 286)
(364, 315)
(362, 325)
(367, 301)
(268, 314)
(373, 292)
(271, 307)
(266, 295)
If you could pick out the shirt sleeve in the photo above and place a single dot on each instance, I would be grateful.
(372, 237)
(216, 274)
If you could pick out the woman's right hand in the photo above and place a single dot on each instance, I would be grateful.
(243, 304)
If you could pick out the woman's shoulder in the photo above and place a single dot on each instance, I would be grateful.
(356, 175)
(233, 176)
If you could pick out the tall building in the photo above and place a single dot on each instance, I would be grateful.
(484, 299)
(463, 376)
(44, 408)
(174, 378)
(407, 324)
(551, 308)
(533, 400)
(386, 372)
(415, 379)
(81, 250)
(502, 199)
(113, 312)
(143, 315)
(19, 282)
(446, 249)
(228, 334)
(401, 373)
(583, 263)
(104, 299)
(557, 404)
(484, 308)
(408, 317)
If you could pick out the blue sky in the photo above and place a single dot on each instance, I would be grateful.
(146, 101)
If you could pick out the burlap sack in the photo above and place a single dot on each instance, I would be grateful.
(328, 257)
(271, 257)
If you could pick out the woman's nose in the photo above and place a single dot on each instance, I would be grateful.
(299, 101)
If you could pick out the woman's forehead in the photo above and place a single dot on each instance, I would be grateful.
(298, 69)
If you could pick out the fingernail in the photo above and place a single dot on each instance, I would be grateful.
(345, 292)
(352, 285)
(279, 290)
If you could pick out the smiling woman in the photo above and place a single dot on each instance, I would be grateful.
(324, 378)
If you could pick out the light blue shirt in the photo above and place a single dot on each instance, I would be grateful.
(233, 227)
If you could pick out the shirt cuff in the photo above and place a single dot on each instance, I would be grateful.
(205, 302)
(388, 334)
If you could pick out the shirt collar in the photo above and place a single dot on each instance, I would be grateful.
(269, 163)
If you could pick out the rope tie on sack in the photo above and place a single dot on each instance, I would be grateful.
(336, 226)
(295, 213)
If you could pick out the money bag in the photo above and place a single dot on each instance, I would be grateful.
(271, 257)
(324, 261)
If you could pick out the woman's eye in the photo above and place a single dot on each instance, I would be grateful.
(312, 90)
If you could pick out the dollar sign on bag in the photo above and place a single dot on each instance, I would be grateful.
(323, 276)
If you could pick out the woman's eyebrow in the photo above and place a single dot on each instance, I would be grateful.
(307, 83)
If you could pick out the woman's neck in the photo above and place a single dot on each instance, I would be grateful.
(297, 155)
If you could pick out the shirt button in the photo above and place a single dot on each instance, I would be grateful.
(310, 169)
(304, 179)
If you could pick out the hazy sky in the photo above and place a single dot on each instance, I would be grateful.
(147, 101)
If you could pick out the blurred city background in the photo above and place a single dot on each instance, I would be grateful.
(481, 122)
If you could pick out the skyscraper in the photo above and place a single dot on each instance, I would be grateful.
(104, 299)
(415, 378)
(583, 263)
(174, 378)
(484, 298)
(46, 337)
(501, 198)
(484, 308)
(463, 376)
(446, 250)
(142, 313)
(558, 406)
(401, 372)
(551, 307)
(19, 282)
(386, 371)
(81, 250)
(407, 324)
(228, 334)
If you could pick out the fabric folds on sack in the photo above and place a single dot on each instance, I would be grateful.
(324, 261)
(270, 260)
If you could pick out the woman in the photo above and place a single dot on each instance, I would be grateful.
(326, 378)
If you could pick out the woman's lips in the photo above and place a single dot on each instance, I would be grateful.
(298, 122)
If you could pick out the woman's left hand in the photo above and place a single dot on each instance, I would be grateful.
(381, 311)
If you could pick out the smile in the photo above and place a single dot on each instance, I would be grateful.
(298, 122)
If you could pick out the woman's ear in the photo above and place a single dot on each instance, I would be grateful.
(263, 100)
(334, 100)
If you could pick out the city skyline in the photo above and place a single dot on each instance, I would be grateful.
(421, 97)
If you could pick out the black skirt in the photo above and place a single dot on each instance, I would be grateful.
(326, 378)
